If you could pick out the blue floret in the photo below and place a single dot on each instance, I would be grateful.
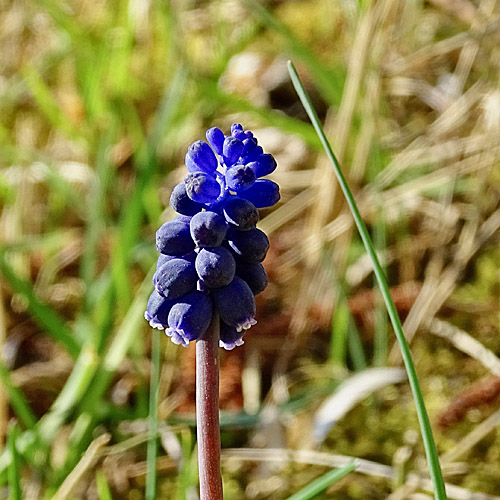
(208, 229)
(201, 158)
(182, 203)
(189, 318)
(176, 278)
(157, 310)
(231, 150)
(240, 177)
(240, 213)
(254, 274)
(263, 165)
(236, 304)
(230, 337)
(215, 138)
(236, 127)
(251, 245)
(263, 193)
(174, 238)
(202, 187)
(215, 267)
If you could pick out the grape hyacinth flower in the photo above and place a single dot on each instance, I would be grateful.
(209, 269)
(211, 252)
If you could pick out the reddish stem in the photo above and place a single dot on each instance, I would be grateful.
(207, 412)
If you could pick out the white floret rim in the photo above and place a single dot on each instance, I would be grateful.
(177, 336)
(246, 324)
(231, 345)
(152, 322)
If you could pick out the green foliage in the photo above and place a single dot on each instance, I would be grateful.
(323, 482)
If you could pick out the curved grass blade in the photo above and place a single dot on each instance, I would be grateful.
(16, 399)
(320, 484)
(425, 426)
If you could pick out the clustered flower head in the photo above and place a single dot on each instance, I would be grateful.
(211, 253)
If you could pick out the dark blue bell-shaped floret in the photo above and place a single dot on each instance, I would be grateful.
(201, 158)
(236, 304)
(239, 134)
(162, 258)
(215, 138)
(189, 318)
(240, 177)
(240, 213)
(215, 267)
(231, 150)
(174, 238)
(253, 154)
(263, 193)
(251, 245)
(236, 127)
(249, 145)
(263, 165)
(175, 278)
(157, 310)
(254, 275)
(230, 337)
(208, 229)
(202, 187)
(182, 203)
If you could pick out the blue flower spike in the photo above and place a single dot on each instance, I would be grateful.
(211, 253)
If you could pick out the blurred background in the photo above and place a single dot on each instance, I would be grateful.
(99, 102)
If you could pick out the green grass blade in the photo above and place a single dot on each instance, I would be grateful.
(425, 426)
(320, 484)
(355, 347)
(153, 415)
(96, 210)
(77, 383)
(380, 340)
(340, 327)
(188, 473)
(47, 103)
(16, 399)
(14, 476)
(45, 316)
(103, 490)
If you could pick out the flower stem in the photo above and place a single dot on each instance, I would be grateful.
(152, 449)
(207, 412)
